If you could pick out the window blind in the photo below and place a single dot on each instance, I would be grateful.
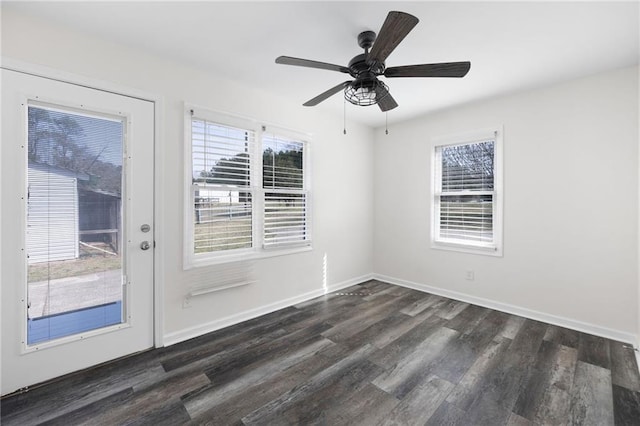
(221, 186)
(465, 196)
(285, 197)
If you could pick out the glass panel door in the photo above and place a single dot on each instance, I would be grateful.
(74, 217)
(77, 227)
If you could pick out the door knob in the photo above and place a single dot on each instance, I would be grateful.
(145, 245)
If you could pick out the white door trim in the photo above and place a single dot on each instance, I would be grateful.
(158, 102)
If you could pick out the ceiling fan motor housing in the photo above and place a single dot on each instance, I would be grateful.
(358, 67)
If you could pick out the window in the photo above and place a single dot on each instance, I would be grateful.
(467, 206)
(221, 186)
(247, 189)
(285, 198)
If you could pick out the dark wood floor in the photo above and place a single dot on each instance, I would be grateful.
(371, 354)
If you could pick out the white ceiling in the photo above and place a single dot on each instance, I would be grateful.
(511, 45)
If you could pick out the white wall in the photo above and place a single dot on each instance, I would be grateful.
(342, 218)
(570, 205)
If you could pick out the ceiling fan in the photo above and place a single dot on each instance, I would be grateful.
(365, 88)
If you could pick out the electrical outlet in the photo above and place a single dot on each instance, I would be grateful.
(186, 303)
(469, 275)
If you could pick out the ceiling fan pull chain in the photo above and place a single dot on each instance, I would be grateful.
(386, 122)
(344, 118)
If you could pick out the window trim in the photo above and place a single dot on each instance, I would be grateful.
(495, 134)
(257, 251)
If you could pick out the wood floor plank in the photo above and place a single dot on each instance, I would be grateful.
(562, 336)
(325, 403)
(554, 404)
(554, 407)
(328, 300)
(546, 397)
(420, 403)
(528, 401)
(232, 408)
(453, 361)
(75, 391)
(373, 285)
(626, 406)
(507, 381)
(594, 350)
(468, 319)
(512, 327)
(450, 309)
(214, 350)
(224, 369)
(410, 370)
(624, 367)
(233, 334)
(162, 399)
(332, 311)
(392, 353)
(479, 336)
(448, 415)
(591, 396)
(394, 291)
(270, 325)
(382, 332)
(81, 415)
(240, 356)
(528, 340)
(486, 411)
(301, 401)
(365, 407)
(169, 414)
(472, 383)
(516, 420)
(359, 306)
(417, 307)
(363, 318)
(246, 377)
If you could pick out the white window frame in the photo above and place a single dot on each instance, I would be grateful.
(257, 251)
(496, 247)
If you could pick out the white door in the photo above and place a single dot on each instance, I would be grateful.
(77, 227)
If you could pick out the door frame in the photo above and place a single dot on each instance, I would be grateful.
(158, 172)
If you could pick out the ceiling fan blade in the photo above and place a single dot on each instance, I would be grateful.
(386, 101)
(445, 69)
(393, 31)
(322, 96)
(288, 60)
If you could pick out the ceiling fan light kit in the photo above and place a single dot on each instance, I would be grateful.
(366, 92)
(366, 89)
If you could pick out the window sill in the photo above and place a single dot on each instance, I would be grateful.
(467, 248)
(244, 255)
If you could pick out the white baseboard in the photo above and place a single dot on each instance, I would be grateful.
(584, 327)
(348, 283)
(199, 330)
(191, 332)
